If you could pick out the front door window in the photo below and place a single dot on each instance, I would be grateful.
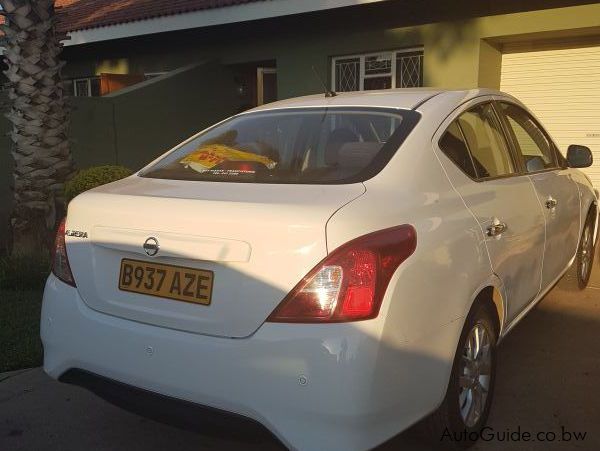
(535, 147)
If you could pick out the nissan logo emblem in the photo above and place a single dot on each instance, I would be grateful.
(151, 246)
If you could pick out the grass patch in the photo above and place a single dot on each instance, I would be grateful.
(24, 272)
(22, 280)
(20, 344)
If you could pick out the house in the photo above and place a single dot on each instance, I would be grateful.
(145, 74)
(546, 52)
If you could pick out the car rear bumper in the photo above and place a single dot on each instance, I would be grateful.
(166, 409)
(334, 387)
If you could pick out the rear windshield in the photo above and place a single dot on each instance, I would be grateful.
(316, 145)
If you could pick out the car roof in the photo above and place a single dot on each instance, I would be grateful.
(408, 98)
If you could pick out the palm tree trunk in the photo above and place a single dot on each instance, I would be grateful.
(39, 117)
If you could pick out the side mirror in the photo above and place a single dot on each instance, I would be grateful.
(579, 156)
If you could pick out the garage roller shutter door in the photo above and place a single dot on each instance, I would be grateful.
(561, 85)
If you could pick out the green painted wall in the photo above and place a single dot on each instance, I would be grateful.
(490, 64)
(458, 54)
(133, 126)
(92, 131)
(149, 120)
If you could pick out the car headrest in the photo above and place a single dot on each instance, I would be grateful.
(471, 138)
(469, 132)
(336, 140)
(535, 164)
(455, 148)
(357, 155)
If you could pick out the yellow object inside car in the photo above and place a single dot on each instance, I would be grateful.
(207, 157)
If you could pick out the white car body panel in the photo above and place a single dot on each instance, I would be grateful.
(350, 401)
(237, 232)
(516, 257)
(346, 386)
(562, 233)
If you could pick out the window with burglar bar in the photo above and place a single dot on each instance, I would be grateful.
(83, 87)
(383, 70)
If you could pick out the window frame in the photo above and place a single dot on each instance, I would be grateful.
(88, 84)
(464, 139)
(517, 163)
(363, 56)
(88, 81)
(510, 134)
(260, 84)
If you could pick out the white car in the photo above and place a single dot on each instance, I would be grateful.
(335, 268)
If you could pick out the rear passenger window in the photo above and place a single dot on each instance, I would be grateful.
(454, 147)
(486, 142)
(532, 142)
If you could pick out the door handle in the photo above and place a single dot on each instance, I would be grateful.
(497, 228)
(551, 203)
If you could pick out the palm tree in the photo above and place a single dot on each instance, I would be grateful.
(39, 117)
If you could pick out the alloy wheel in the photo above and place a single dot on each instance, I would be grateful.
(587, 251)
(475, 375)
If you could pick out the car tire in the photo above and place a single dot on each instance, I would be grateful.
(451, 425)
(585, 252)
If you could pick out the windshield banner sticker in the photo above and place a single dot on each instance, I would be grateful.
(207, 157)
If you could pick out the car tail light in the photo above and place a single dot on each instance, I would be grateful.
(60, 261)
(349, 284)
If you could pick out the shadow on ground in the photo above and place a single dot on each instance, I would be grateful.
(549, 368)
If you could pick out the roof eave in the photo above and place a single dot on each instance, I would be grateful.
(205, 18)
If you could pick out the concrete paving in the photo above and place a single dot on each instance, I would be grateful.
(548, 379)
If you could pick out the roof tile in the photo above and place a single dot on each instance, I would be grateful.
(81, 14)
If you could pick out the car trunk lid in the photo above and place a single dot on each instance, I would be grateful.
(258, 240)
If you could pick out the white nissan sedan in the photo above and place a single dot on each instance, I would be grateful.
(335, 268)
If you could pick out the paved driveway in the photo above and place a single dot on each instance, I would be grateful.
(549, 379)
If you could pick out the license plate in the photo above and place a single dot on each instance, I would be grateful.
(166, 281)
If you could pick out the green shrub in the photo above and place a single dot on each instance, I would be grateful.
(19, 272)
(87, 179)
